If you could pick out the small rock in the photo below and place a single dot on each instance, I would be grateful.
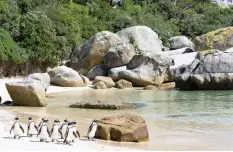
(151, 87)
(121, 84)
(101, 104)
(107, 80)
(100, 85)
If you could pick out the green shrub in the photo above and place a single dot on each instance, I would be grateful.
(9, 50)
(37, 35)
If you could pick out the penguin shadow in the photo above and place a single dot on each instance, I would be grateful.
(13, 137)
(8, 137)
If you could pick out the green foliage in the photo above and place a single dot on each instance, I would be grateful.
(49, 30)
(9, 49)
(37, 34)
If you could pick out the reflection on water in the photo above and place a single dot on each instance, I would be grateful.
(201, 112)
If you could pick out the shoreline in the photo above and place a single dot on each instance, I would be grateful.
(6, 140)
(7, 119)
(162, 137)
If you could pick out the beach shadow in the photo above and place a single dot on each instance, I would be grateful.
(39, 141)
(84, 139)
(8, 137)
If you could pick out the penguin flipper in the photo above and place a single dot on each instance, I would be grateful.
(21, 128)
(36, 128)
(61, 126)
(28, 129)
(78, 134)
(39, 132)
(60, 132)
(13, 126)
(51, 131)
(48, 131)
(74, 133)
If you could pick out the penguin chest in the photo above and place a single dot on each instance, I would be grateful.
(70, 135)
(63, 130)
(17, 130)
(44, 134)
(92, 132)
(55, 133)
(32, 129)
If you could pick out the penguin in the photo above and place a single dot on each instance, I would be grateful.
(32, 128)
(41, 122)
(92, 130)
(44, 133)
(74, 127)
(17, 128)
(54, 134)
(63, 128)
(70, 134)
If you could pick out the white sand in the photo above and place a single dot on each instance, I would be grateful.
(7, 143)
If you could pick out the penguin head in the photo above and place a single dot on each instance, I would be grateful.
(74, 122)
(30, 118)
(17, 118)
(56, 121)
(45, 120)
(65, 120)
(95, 121)
(69, 123)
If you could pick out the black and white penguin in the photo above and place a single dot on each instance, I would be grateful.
(92, 130)
(44, 131)
(54, 134)
(63, 128)
(17, 129)
(74, 127)
(41, 122)
(32, 128)
(70, 134)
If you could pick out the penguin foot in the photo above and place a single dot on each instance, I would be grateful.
(92, 139)
(73, 141)
(52, 140)
(14, 137)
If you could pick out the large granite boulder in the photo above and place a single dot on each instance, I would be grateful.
(114, 73)
(143, 38)
(122, 84)
(145, 70)
(91, 53)
(98, 70)
(209, 70)
(102, 104)
(107, 80)
(221, 39)
(119, 55)
(178, 42)
(27, 93)
(67, 77)
(123, 128)
(42, 78)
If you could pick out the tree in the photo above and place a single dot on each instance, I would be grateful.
(37, 35)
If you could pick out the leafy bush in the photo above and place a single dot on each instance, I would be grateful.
(9, 49)
(37, 35)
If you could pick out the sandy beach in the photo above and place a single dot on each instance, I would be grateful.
(164, 134)
(26, 143)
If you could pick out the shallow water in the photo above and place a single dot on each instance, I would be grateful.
(177, 120)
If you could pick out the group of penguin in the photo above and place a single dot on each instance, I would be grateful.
(66, 131)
